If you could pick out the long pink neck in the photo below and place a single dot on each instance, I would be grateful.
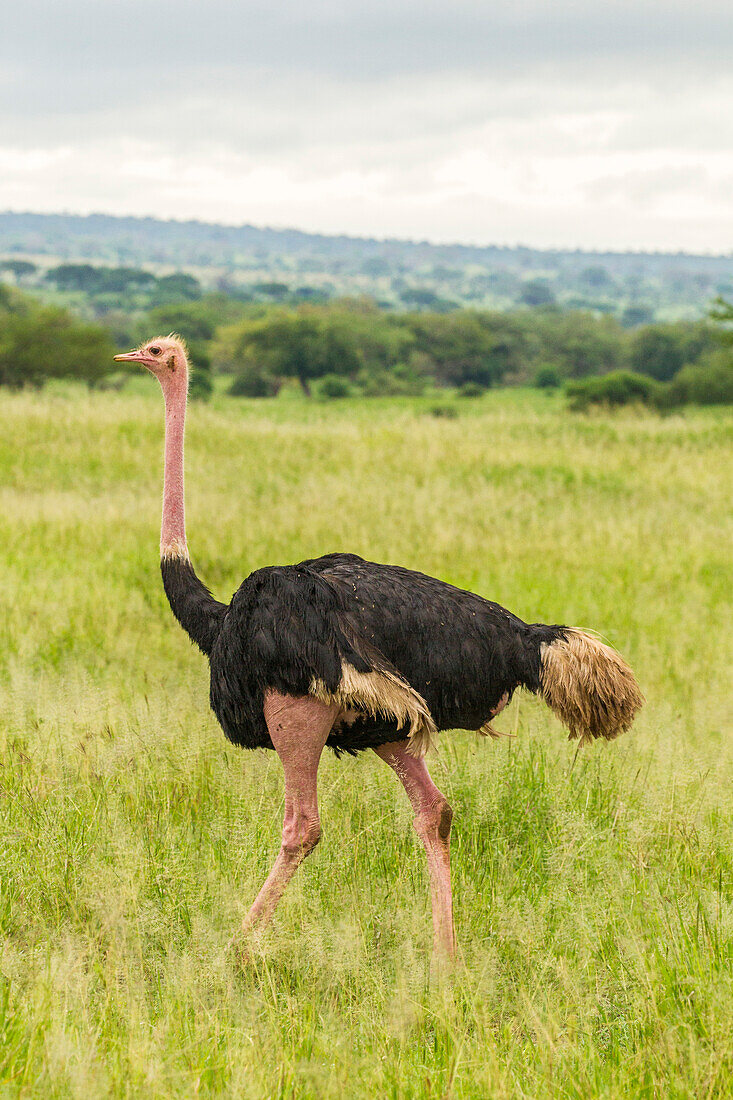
(173, 525)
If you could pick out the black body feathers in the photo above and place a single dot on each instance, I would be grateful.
(290, 627)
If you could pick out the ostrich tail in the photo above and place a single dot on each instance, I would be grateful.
(588, 685)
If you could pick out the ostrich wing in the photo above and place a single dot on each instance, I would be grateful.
(291, 629)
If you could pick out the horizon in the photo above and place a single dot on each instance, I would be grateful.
(391, 239)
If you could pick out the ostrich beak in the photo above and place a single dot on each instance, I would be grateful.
(130, 357)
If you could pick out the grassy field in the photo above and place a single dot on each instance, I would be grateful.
(593, 888)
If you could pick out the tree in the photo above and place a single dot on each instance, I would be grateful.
(18, 268)
(597, 277)
(620, 387)
(74, 277)
(424, 298)
(375, 266)
(94, 281)
(178, 287)
(38, 343)
(708, 382)
(660, 351)
(312, 342)
(316, 294)
(721, 312)
(197, 320)
(467, 345)
(578, 344)
(635, 315)
(288, 346)
(656, 352)
(537, 292)
(183, 319)
(122, 280)
(277, 292)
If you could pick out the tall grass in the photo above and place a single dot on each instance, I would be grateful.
(593, 888)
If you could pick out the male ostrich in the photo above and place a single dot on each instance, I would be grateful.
(347, 653)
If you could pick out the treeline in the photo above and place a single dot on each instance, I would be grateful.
(352, 347)
(99, 290)
(633, 286)
(706, 383)
(112, 287)
(704, 380)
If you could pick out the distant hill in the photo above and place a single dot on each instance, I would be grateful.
(202, 243)
(410, 274)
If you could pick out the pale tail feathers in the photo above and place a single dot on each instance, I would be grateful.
(382, 695)
(589, 686)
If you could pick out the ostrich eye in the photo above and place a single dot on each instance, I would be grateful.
(155, 350)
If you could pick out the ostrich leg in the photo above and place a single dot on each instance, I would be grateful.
(433, 817)
(298, 728)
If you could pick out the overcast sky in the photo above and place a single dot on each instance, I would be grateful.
(587, 123)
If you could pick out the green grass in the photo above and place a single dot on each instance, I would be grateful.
(593, 888)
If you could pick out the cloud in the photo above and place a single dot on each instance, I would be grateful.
(364, 39)
(571, 123)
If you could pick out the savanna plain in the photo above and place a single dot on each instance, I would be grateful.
(592, 886)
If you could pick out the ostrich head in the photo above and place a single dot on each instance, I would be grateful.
(165, 357)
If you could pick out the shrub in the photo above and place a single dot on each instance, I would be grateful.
(547, 378)
(333, 386)
(444, 412)
(200, 384)
(402, 380)
(620, 387)
(471, 389)
(253, 383)
(709, 382)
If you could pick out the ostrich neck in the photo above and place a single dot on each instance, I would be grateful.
(173, 525)
(197, 611)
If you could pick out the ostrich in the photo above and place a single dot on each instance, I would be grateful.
(351, 654)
